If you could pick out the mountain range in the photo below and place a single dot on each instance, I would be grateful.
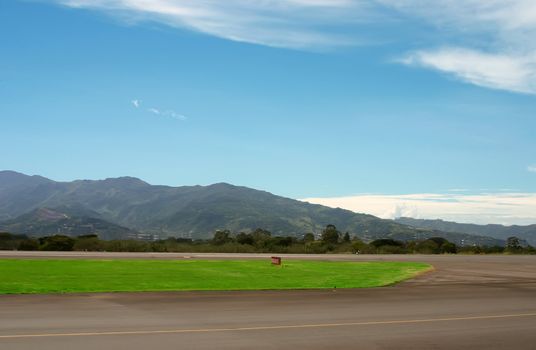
(127, 207)
(527, 233)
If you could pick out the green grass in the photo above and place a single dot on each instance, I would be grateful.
(66, 276)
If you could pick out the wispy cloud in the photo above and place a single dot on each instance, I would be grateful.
(484, 208)
(493, 41)
(166, 113)
(154, 111)
(532, 168)
(489, 43)
(175, 115)
(497, 71)
(290, 23)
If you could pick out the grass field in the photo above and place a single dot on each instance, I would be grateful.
(65, 276)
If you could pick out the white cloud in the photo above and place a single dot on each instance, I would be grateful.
(494, 40)
(489, 43)
(174, 115)
(532, 168)
(153, 110)
(485, 208)
(167, 113)
(496, 71)
(136, 103)
(290, 23)
(468, 14)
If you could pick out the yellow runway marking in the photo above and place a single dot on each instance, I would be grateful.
(261, 328)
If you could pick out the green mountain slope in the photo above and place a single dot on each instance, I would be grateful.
(46, 222)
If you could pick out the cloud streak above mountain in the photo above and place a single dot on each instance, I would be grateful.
(485, 208)
(290, 24)
(485, 43)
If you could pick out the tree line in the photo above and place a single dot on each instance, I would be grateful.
(331, 240)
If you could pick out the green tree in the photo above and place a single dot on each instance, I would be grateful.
(89, 243)
(282, 241)
(129, 245)
(359, 246)
(7, 241)
(28, 244)
(513, 244)
(56, 243)
(308, 237)
(386, 242)
(449, 248)
(221, 237)
(428, 246)
(330, 235)
(346, 238)
(5, 236)
(245, 238)
(261, 237)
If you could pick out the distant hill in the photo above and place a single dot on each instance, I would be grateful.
(527, 233)
(46, 222)
(193, 211)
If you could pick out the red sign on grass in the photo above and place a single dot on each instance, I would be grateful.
(276, 260)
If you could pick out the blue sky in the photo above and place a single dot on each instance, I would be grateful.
(303, 98)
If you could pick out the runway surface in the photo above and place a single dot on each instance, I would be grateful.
(468, 302)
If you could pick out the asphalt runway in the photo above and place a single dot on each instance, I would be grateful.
(468, 302)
